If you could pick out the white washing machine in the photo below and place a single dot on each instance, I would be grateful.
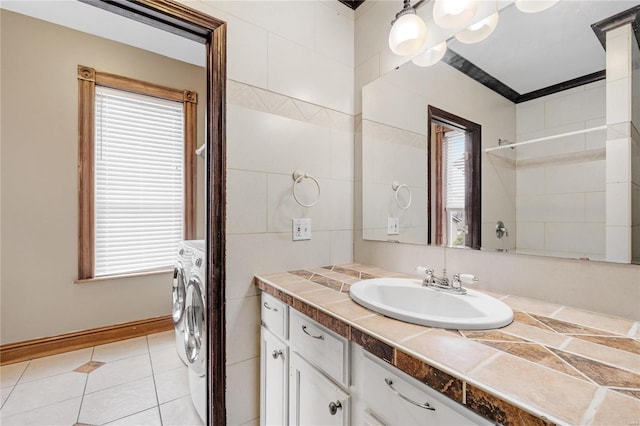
(181, 276)
(195, 336)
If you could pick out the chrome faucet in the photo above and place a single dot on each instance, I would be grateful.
(454, 285)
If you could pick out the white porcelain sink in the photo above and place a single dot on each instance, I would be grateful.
(408, 300)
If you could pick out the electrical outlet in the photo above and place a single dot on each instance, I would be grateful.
(393, 226)
(301, 229)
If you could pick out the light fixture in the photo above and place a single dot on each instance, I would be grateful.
(533, 6)
(408, 32)
(479, 31)
(431, 56)
(454, 13)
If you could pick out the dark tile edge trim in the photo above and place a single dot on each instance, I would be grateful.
(631, 16)
(352, 4)
(477, 400)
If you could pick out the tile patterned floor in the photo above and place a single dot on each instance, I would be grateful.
(139, 381)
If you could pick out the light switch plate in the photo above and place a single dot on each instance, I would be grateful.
(301, 229)
(393, 226)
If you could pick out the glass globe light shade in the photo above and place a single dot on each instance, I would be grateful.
(533, 6)
(408, 34)
(479, 31)
(454, 13)
(430, 56)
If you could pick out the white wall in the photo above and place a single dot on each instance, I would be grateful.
(40, 181)
(289, 106)
(604, 287)
(560, 201)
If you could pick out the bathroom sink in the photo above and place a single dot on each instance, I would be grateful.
(408, 300)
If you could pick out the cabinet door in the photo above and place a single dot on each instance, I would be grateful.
(274, 374)
(314, 399)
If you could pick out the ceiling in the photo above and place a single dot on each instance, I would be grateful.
(93, 20)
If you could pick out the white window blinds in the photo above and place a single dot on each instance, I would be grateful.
(139, 150)
(454, 155)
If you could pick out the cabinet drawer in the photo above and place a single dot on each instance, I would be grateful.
(275, 316)
(325, 349)
(383, 386)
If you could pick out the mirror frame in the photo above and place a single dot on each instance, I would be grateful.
(177, 18)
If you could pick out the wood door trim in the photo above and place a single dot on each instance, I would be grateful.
(37, 348)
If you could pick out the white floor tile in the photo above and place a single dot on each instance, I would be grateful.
(118, 402)
(165, 360)
(43, 392)
(180, 412)
(56, 364)
(172, 384)
(4, 393)
(63, 413)
(120, 350)
(161, 341)
(119, 372)
(149, 417)
(9, 374)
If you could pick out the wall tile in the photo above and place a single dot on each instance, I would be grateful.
(282, 207)
(619, 54)
(575, 237)
(618, 244)
(299, 72)
(565, 208)
(243, 391)
(529, 117)
(334, 33)
(368, 38)
(618, 160)
(365, 73)
(618, 101)
(243, 329)
(293, 20)
(246, 202)
(531, 236)
(581, 177)
(342, 155)
(585, 105)
(340, 194)
(341, 247)
(618, 204)
(248, 146)
(530, 181)
(595, 203)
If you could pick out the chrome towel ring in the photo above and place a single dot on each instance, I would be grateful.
(298, 176)
(397, 186)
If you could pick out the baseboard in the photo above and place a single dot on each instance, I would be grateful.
(45, 346)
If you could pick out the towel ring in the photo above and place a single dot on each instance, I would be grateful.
(396, 188)
(298, 176)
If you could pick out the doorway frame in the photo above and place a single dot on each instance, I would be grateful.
(179, 19)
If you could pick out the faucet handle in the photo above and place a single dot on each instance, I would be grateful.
(423, 270)
(467, 278)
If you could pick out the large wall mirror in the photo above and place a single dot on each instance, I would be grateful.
(536, 93)
(164, 44)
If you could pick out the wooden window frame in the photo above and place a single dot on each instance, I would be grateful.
(88, 79)
(473, 199)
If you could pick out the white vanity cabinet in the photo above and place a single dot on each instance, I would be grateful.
(304, 369)
(274, 362)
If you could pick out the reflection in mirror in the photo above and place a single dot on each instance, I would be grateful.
(548, 119)
(454, 146)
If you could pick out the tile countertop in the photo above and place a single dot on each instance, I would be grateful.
(553, 364)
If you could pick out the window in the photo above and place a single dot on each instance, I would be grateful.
(453, 151)
(136, 174)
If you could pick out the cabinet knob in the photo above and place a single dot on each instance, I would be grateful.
(275, 354)
(333, 407)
